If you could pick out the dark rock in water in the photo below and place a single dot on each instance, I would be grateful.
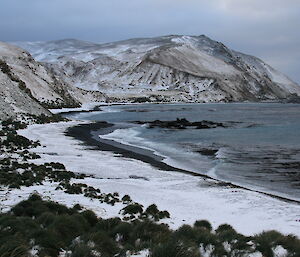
(290, 165)
(207, 152)
(138, 110)
(205, 124)
(182, 124)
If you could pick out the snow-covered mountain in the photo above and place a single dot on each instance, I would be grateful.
(27, 86)
(168, 68)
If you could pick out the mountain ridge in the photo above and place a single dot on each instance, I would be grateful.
(170, 68)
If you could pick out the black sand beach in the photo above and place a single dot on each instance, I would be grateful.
(89, 135)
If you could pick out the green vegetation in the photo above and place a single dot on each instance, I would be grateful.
(203, 224)
(43, 119)
(51, 228)
(15, 170)
(155, 214)
(15, 174)
(11, 141)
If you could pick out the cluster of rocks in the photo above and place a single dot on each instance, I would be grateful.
(183, 124)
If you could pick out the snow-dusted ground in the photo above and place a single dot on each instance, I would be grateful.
(186, 197)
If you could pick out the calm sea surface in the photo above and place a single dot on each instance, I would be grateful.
(260, 149)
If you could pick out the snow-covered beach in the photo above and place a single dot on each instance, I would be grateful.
(187, 198)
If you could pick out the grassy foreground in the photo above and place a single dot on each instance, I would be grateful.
(44, 228)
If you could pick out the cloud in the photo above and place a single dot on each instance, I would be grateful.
(257, 8)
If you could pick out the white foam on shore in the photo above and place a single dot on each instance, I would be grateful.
(171, 154)
(186, 197)
(185, 160)
(130, 136)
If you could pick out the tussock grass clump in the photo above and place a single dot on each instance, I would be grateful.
(266, 241)
(154, 213)
(173, 248)
(136, 211)
(203, 224)
(126, 199)
(133, 209)
(32, 174)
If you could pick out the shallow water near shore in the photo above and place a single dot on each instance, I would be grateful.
(260, 149)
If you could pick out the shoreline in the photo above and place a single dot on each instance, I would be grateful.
(88, 134)
(187, 198)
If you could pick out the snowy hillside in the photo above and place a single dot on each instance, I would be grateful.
(26, 86)
(169, 68)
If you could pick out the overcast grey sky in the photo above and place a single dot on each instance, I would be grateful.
(268, 29)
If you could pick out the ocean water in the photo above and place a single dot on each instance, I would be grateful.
(260, 150)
